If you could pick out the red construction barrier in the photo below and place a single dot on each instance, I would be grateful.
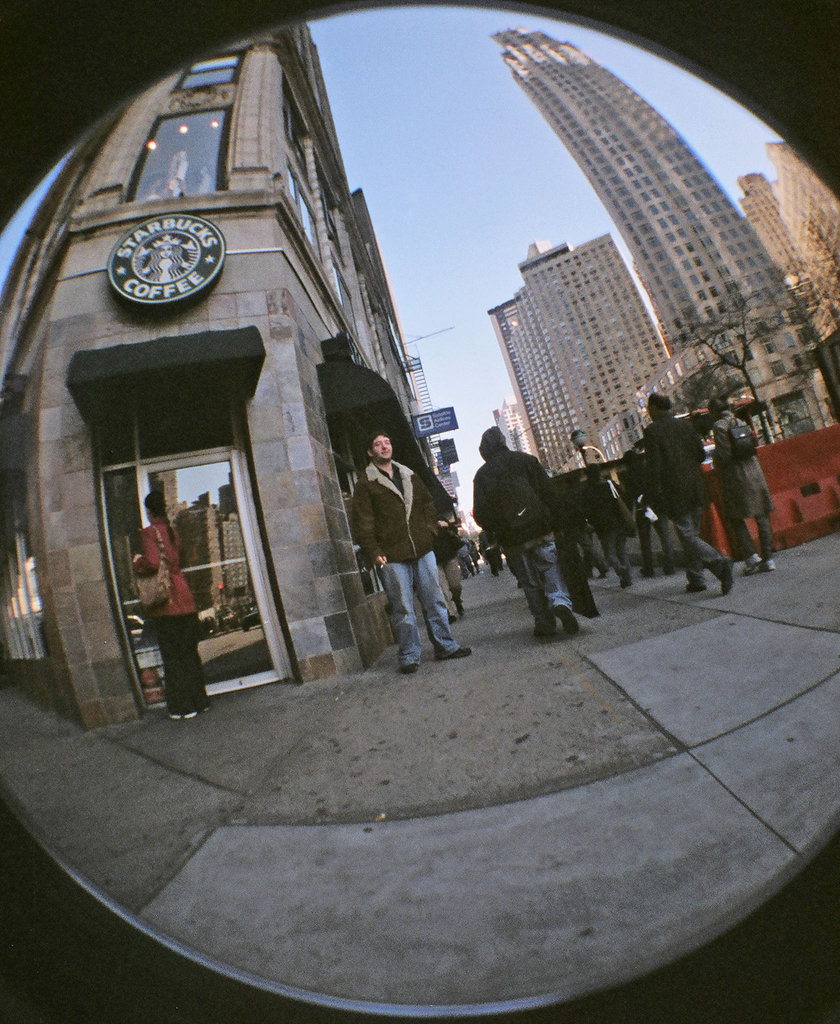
(803, 474)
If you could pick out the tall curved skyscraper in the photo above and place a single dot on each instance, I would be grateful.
(689, 243)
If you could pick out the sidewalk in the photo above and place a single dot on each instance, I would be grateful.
(538, 821)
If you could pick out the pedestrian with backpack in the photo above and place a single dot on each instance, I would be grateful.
(744, 489)
(513, 499)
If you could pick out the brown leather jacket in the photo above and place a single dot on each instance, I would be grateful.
(401, 527)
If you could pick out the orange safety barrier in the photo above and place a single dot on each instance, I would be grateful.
(803, 475)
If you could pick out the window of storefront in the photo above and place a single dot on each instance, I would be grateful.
(184, 156)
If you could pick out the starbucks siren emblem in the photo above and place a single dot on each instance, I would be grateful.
(166, 260)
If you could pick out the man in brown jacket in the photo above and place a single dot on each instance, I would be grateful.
(395, 523)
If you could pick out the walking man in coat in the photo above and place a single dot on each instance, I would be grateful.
(395, 523)
(675, 484)
(745, 492)
(514, 500)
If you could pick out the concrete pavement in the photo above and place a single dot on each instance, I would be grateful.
(535, 822)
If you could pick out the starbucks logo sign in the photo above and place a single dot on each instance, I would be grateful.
(166, 260)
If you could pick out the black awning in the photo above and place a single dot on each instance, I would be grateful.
(223, 362)
(364, 401)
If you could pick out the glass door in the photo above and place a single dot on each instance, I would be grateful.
(208, 502)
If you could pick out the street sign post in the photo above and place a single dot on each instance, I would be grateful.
(438, 421)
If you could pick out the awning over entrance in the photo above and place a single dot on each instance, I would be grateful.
(223, 362)
(363, 401)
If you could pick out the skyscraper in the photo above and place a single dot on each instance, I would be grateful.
(689, 244)
(578, 341)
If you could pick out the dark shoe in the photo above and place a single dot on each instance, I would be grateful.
(459, 652)
(694, 588)
(648, 573)
(626, 580)
(545, 631)
(459, 605)
(567, 619)
(668, 571)
(408, 669)
(452, 619)
(726, 577)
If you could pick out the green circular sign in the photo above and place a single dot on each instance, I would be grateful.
(165, 260)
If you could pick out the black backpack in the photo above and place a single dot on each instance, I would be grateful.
(741, 440)
(519, 514)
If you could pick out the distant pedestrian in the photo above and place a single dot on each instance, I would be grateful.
(395, 523)
(514, 500)
(601, 505)
(446, 547)
(674, 453)
(489, 548)
(745, 491)
(464, 559)
(646, 516)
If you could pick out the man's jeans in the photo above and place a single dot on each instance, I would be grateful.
(401, 580)
(535, 566)
(698, 554)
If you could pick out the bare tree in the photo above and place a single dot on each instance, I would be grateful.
(729, 336)
(712, 379)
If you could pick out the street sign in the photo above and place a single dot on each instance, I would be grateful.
(438, 421)
(448, 451)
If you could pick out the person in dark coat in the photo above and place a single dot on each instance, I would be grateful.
(646, 516)
(600, 504)
(175, 623)
(525, 535)
(675, 484)
(745, 493)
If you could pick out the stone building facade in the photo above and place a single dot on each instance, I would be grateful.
(199, 306)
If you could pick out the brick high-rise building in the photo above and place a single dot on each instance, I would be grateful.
(579, 339)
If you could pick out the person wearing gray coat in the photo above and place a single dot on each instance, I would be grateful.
(745, 492)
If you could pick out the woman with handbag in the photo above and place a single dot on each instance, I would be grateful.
(172, 612)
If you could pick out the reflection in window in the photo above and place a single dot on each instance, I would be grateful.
(183, 157)
(210, 72)
(21, 611)
(304, 211)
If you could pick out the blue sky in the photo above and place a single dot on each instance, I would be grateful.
(461, 173)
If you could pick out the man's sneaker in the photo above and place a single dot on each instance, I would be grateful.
(726, 577)
(694, 588)
(459, 652)
(567, 619)
(751, 565)
(768, 565)
(409, 668)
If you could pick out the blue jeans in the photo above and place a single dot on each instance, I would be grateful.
(698, 554)
(535, 566)
(401, 580)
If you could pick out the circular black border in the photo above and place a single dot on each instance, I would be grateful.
(66, 957)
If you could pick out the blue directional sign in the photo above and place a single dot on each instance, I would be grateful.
(448, 451)
(438, 421)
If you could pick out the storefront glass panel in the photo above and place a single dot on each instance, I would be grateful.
(240, 644)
